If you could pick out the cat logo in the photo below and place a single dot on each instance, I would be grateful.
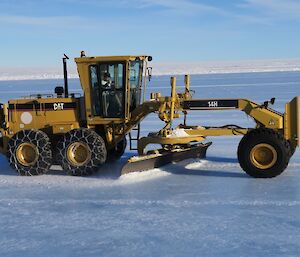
(58, 106)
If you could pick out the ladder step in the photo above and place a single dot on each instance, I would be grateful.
(134, 137)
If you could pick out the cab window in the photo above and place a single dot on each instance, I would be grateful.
(135, 75)
(109, 95)
(95, 90)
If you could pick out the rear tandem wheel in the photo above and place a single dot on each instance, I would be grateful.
(81, 151)
(29, 152)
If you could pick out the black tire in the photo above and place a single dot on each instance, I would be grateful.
(293, 148)
(81, 151)
(117, 152)
(29, 152)
(263, 153)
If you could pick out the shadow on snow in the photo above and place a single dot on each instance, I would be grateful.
(113, 170)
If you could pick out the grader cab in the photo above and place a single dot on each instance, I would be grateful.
(80, 133)
(112, 86)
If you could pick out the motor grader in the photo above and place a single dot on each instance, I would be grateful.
(81, 133)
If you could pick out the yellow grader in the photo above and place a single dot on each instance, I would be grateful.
(82, 133)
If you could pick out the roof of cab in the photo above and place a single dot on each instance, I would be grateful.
(89, 59)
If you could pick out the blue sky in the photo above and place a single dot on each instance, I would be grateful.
(37, 33)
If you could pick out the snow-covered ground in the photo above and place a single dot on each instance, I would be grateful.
(193, 208)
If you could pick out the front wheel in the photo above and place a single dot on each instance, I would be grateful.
(293, 148)
(263, 153)
(81, 151)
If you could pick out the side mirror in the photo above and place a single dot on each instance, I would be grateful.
(272, 101)
(266, 103)
(149, 73)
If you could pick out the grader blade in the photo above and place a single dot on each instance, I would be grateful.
(147, 162)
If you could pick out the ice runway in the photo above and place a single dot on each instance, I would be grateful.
(193, 208)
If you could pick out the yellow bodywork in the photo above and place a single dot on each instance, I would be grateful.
(43, 114)
(169, 108)
(292, 121)
(51, 115)
(58, 115)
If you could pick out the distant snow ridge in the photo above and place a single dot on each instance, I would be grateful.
(34, 73)
(164, 68)
(226, 67)
(35, 77)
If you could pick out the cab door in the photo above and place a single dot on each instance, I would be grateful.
(108, 89)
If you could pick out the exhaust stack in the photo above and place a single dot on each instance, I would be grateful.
(65, 58)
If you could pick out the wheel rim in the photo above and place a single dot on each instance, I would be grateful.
(263, 156)
(78, 153)
(27, 154)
